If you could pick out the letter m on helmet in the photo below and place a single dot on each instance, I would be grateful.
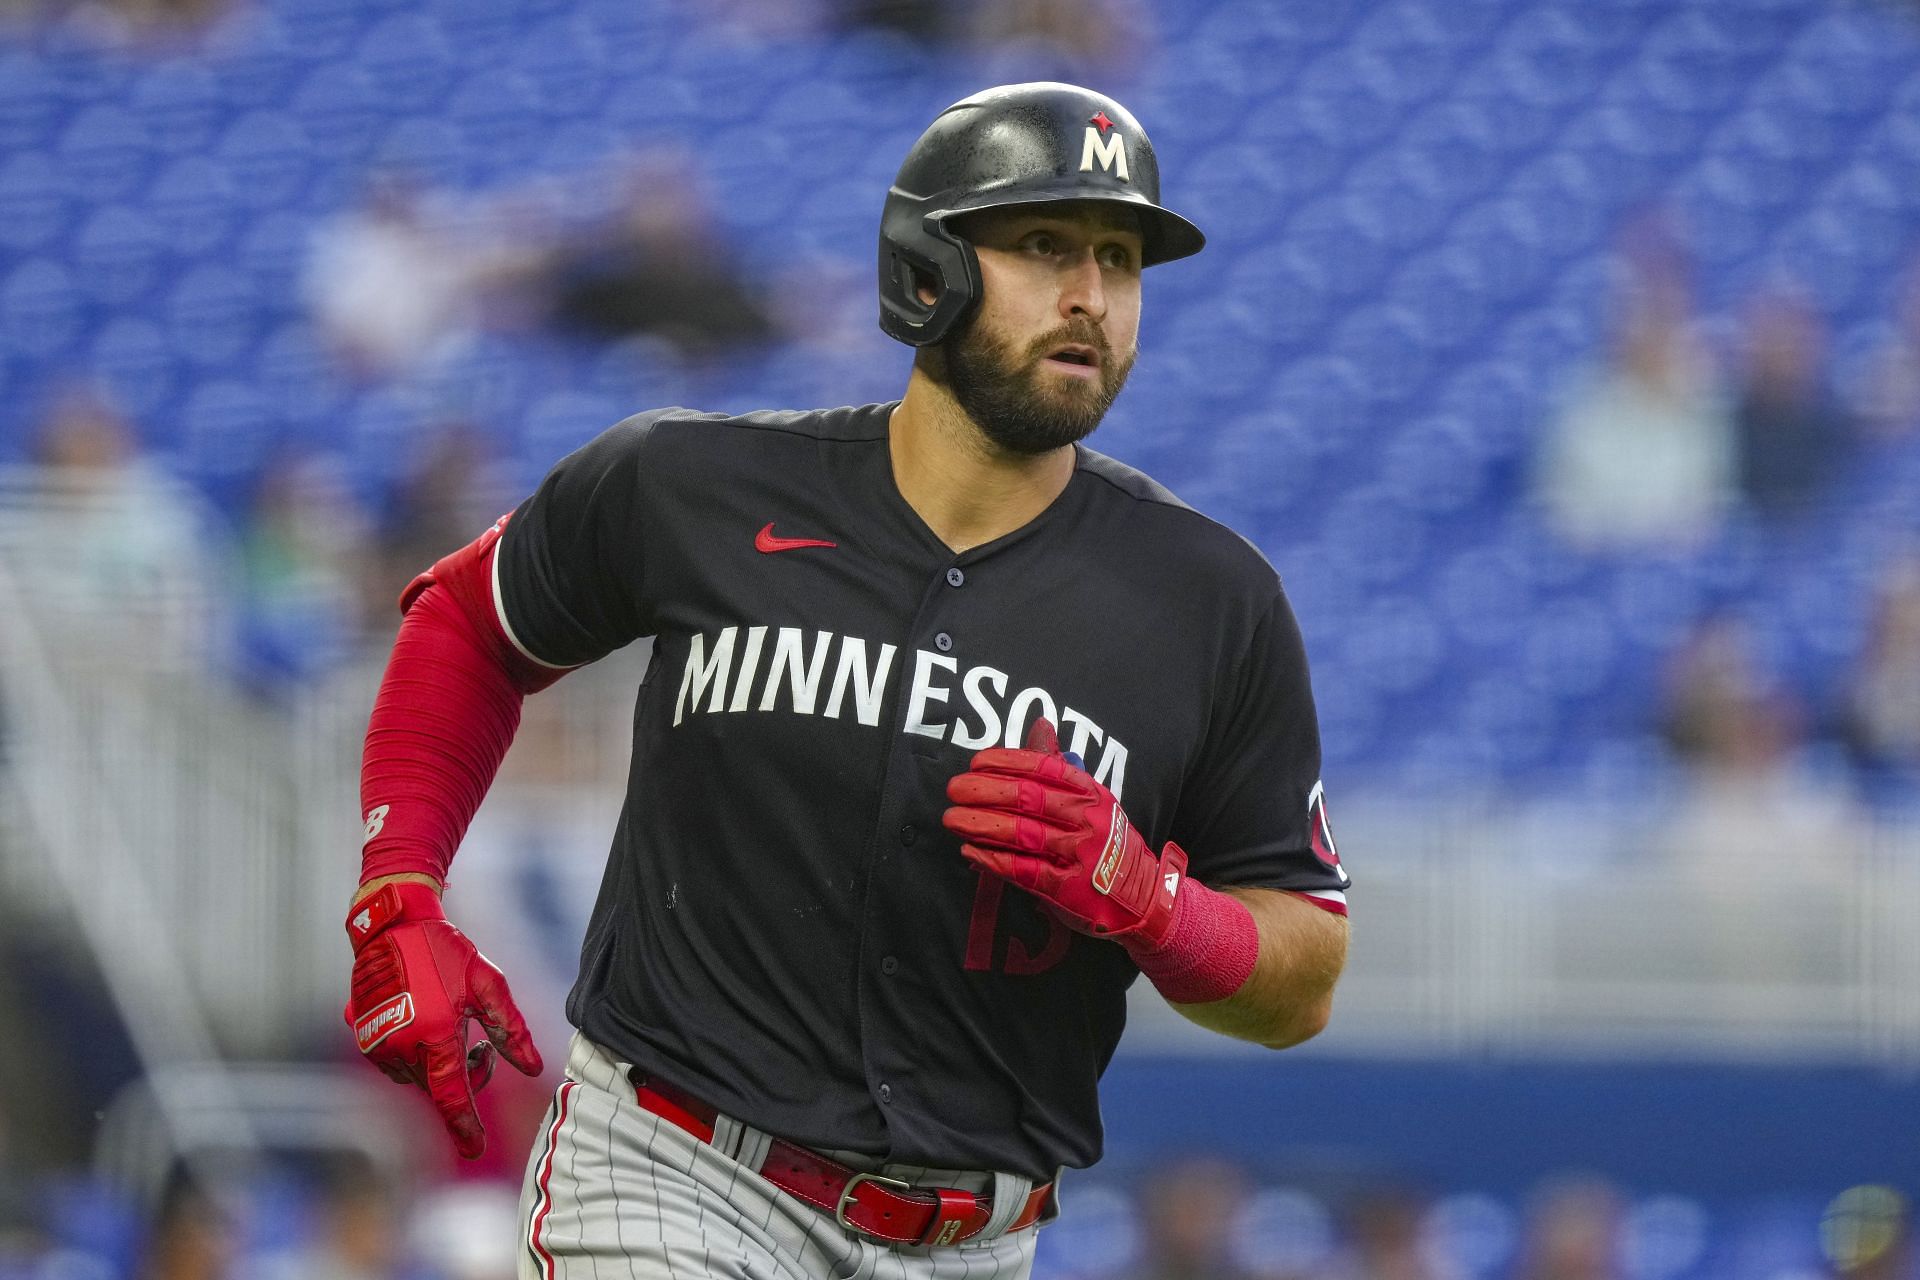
(1110, 151)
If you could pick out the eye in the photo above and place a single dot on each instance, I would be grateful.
(1117, 257)
(1040, 242)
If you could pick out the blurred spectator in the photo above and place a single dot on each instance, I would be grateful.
(1642, 452)
(448, 498)
(23, 1242)
(1750, 806)
(1572, 1234)
(1881, 718)
(1867, 1234)
(1383, 1226)
(1082, 41)
(111, 536)
(304, 556)
(1889, 399)
(358, 1221)
(155, 26)
(1793, 434)
(1188, 1215)
(926, 21)
(386, 284)
(659, 267)
(471, 1230)
(191, 1238)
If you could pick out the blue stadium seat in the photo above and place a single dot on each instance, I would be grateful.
(1503, 726)
(1284, 1229)
(1408, 61)
(1391, 346)
(213, 312)
(323, 30)
(1848, 64)
(1435, 465)
(1353, 724)
(1390, 209)
(192, 202)
(337, 107)
(105, 154)
(117, 254)
(483, 32)
(1566, 202)
(1395, 646)
(569, 71)
(30, 101)
(273, 253)
(407, 63)
(298, 377)
(269, 158)
(1504, 242)
(635, 38)
(501, 118)
(383, 430)
(561, 421)
(228, 430)
(1439, 159)
(33, 201)
(131, 358)
(261, 69)
(428, 150)
(180, 103)
(1545, 60)
(41, 309)
(1443, 294)
(1484, 599)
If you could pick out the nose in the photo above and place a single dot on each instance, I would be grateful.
(1081, 291)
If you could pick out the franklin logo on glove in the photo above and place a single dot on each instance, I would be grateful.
(417, 983)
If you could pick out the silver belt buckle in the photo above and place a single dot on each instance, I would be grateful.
(853, 1184)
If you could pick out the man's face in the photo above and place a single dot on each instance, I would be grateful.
(1042, 357)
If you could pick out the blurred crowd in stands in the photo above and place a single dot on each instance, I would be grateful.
(1197, 1218)
(1685, 426)
(1676, 431)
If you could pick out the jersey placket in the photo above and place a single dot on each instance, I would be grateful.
(907, 818)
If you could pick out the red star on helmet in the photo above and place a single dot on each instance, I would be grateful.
(1100, 118)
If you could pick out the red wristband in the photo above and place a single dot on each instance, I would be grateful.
(1209, 951)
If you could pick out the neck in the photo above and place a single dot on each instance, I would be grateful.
(966, 490)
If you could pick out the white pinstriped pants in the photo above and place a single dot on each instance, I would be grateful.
(613, 1191)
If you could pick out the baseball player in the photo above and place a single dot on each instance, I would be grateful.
(953, 729)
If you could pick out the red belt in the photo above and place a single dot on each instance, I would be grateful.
(883, 1208)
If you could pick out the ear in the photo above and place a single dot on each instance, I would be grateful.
(924, 290)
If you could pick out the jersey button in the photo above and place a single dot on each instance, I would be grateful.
(886, 1094)
(889, 966)
(943, 642)
(955, 577)
(908, 835)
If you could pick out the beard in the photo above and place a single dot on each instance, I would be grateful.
(1020, 407)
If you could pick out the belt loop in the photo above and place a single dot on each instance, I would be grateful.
(754, 1146)
(726, 1135)
(1010, 1192)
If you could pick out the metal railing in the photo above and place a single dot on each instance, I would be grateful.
(205, 844)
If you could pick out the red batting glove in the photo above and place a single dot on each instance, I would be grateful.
(416, 982)
(1037, 819)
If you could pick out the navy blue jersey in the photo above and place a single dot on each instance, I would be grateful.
(785, 929)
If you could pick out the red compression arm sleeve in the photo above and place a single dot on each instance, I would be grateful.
(444, 717)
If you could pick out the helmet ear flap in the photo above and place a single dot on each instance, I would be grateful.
(938, 259)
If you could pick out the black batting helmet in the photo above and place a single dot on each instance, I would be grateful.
(1017, 144)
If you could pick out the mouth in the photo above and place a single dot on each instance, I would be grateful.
(1076, 358)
